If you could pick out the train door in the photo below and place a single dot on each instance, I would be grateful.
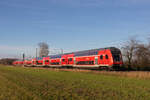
(64, 61)
(101, 58)
(104, 57)
(46, 61)
(70, 58)
(107, 57)
(96, 60)
(70, 61)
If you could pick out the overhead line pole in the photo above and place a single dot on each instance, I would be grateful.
(36, 52)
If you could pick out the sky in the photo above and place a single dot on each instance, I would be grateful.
(71, 25)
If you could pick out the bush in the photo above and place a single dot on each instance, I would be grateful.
(7, 61)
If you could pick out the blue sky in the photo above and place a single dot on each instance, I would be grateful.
(70, 24)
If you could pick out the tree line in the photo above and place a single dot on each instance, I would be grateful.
(136, 54)
(7, 61)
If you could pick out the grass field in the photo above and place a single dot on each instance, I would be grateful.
(18, 83)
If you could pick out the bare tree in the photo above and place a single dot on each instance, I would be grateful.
(142, 56)
(129, 50)
(148, 42)
(137, 54)
(43, 49)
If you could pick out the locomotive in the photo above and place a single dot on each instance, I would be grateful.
(109, 58)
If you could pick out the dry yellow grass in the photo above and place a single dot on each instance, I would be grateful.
(131, 74)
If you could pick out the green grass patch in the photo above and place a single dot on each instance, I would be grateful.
(17, 83)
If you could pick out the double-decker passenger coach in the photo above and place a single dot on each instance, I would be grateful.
(107, 58)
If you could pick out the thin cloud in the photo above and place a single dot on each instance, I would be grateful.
(16, 51)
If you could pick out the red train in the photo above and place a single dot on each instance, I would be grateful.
(110, 58)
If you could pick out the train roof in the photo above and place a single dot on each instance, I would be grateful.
(55, 56)
(39, 58)
(93, 51)
(85, 52)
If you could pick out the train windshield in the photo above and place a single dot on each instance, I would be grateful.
(116, 57)
(116, 53)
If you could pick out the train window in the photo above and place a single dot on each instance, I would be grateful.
(106, 56)
(63, 60)
(37, 62)
(46, 60)
(116, 57)
(101, 57)
(91, 62)
(85, 63)
(55, 63)
(70, 59)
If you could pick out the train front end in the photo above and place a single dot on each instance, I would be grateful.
(117, 58)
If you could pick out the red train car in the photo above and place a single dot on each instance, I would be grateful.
(39, 61)
(104, 57)
(67, 59)
(46, 61)
(28, 62)
(96, 58)
(55, 61)
(33, 62)
(18, 62)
